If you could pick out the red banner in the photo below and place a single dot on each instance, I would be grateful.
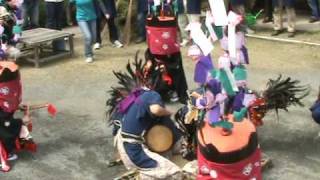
(162, 40)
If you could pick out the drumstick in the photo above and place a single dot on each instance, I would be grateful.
(50, 108)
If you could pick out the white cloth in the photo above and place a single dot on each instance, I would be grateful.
(164, 170)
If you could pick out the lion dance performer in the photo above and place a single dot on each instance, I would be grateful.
(164, 52)
(134, 109)
(14, 133)
(226, 112)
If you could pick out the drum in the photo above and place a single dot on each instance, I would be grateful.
(159, 138)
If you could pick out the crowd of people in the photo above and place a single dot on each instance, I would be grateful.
(90, 15)
(272, 10)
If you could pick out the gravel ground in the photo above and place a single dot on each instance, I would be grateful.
(77, 144)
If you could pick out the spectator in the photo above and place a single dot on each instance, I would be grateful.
(54, 10)
(68, 14)
(30, 14)
(183, 22)
(268, 10)
(142, 11)
(277, 16)
(86, 17)
(193, 10)
(111, 12)
(315, 10)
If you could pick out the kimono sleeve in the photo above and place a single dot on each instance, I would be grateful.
(153, 98)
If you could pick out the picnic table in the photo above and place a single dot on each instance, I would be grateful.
(36, 45)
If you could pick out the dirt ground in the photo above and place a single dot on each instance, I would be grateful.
(77, 144)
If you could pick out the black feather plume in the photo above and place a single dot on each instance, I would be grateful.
(284, 92)
(129, 80)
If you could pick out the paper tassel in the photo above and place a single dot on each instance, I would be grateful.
(209, 25)
(157, 2)
(218, 11)
(232, 44)
(200, 38)
(194, 50)
(223, 77)
(214, 73)
(2, 54)
(234, 19)
(244, 51)
(218, 30)
(16, 29)
(224, 124)
(238, 101)
(231, 79)
(224, 61)
(4, 47)
(202, 69)
(16, 37)
(214, 115)
(1, 29)
(214, 86)
(240, 73)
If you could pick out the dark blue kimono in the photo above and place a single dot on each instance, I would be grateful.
(138, 119)
(315, 109)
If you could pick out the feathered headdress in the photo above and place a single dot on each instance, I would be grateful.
(279, 94)
(282, 93)
(130, 84)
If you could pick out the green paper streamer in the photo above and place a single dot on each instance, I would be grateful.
(224, 124)
(223, 77)
(16, 29)
(240, 73)
(213, 73)
(238, 116)
(218, 31)
(201, 115)
(154, 9)
(175, 7)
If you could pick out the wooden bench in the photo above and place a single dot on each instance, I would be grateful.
(36, 45)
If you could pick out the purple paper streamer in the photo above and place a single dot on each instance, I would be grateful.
(203, 66)
(214, 115)
(244, 51)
